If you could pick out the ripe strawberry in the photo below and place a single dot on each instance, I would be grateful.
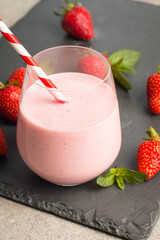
(3, 144)
(9, 101)
(17, 76)
(148, 155)
(93, 65)
(153, 92)
(77, 21)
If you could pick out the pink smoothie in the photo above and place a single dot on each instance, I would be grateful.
(74, 142)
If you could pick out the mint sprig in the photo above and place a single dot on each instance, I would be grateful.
(124, 61)
(121, 175)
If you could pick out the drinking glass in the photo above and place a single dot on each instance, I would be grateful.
(74, 142)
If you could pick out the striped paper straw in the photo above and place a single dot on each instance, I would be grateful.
(30, 61)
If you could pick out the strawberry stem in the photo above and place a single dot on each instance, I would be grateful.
(1, 85)
(152, 134)
(158, 69)
(15, 83)
(67, 8)
(7, 83)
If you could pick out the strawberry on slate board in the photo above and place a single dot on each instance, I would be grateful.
(153, 92)
(148, 155)
(9, 100)
(93, 65)
(17, 76)
(77, 21)
(148, 164)
(3, 144)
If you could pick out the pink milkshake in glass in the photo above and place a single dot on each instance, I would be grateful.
(74, 142)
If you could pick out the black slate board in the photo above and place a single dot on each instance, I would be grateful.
(119, 24)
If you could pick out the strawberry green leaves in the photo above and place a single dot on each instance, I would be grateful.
(121, 175)
(152, 134)
(124, 61)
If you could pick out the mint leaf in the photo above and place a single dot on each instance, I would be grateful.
(120, 61)
(113, 170)
(124, 171)
(130, 57)
(120, 182)
(121, 78)
(125, 68)
(106, 180)
(131, 176)
(120, 66)
(134, 178)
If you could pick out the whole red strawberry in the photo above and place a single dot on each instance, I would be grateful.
(153, 92)
(17, 76)
(3, 144)
(148, 155)
(9, 100)
(77, 21)
(93, 65)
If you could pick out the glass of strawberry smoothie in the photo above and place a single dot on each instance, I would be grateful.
(71, 143)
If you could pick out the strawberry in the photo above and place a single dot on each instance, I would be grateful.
(3, 144)
(77, 21)
(17, 76)
(9, 100)
(93, 65)
(148, 155)
(153, 92)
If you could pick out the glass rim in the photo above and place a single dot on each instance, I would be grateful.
(70, 90)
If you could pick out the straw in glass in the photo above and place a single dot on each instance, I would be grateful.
(30, 61)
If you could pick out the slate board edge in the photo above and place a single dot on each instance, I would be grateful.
(76, 215)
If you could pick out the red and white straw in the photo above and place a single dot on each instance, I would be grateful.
(30, 61)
